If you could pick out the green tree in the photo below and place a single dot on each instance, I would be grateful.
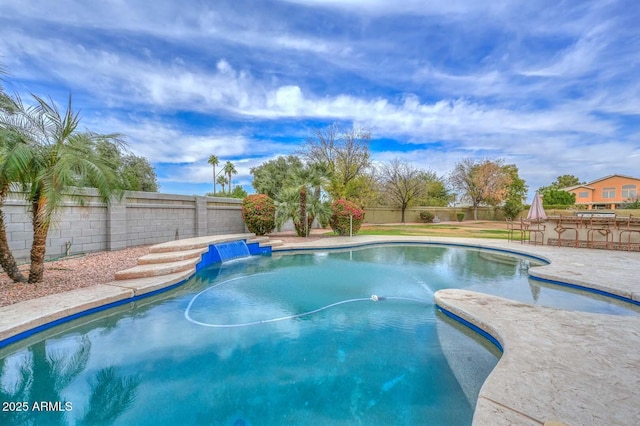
(269, 176)
(304, 188)
(345, 153)
(238, 192)
(555, 197)
(59, 158)
(214, 161)
(229, 169)
(14, 155)
(222, 181)
(138, 174)
(481, 182)
(564, 181)
(517, 192)
(436, 192)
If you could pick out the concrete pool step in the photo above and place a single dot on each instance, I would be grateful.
(183, 255)
(140, 286)
(259, 240)
(171, 256)
(265, 241)
(198, 242)
(156, 269)
(271, 243)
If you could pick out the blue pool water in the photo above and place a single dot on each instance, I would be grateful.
(287, 339)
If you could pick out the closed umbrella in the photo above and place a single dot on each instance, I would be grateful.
(536, 211)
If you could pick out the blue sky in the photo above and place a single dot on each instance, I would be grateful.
(553, 87)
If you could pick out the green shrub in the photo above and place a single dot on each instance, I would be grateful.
(552, 197)
(460, 216)
(632, 204)
(259, 213)
(561, 207)
(512, 208)
(426, 217)
(342, 211)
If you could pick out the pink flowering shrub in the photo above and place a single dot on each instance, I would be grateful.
(342, 211)
(259, 213)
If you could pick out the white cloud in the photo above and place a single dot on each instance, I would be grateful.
(580, 58)
(554, 89)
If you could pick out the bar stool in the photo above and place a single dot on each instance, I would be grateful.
(602, 227)
(514, 228)
(562, 227)
(635, 222)
(536, 229)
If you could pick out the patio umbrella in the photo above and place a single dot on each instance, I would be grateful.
(536, 211)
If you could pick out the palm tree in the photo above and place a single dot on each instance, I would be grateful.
(222, 181)
(213, 160)
(62, 156)
(14, 155)
(230, 169)
(290, 205)
(13, 160)
(301, 199)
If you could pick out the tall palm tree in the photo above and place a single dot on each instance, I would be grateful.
(230, 169)
(214, 161)
(62, 156)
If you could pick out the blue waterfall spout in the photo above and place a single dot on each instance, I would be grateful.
(232, 250)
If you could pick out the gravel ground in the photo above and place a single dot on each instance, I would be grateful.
(71, 273)
(94, 268)
(84, 271)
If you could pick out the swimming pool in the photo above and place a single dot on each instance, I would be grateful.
(187, 357)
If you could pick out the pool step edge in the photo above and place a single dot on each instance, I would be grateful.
(156, 269)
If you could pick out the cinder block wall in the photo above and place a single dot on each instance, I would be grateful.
(155, 218)
(222, 215)
(139, 218)
(393, 215)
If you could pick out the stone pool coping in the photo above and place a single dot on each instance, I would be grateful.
(573, 367)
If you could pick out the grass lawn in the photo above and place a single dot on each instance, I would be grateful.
(468, 229)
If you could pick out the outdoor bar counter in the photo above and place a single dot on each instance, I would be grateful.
(590, 230)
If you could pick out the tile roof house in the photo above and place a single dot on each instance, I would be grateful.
(608, 192)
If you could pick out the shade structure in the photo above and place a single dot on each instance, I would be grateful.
(536, 211)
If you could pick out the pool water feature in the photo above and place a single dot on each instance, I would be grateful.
(391, 361)
(231, 250)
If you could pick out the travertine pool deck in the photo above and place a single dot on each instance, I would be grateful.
(572, 367)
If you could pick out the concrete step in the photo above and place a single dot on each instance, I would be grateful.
(145, 285)
(259, 240)
(197, 243)
(272, 243)
(156, 269)
(171, 256)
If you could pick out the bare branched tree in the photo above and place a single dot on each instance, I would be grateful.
(401, 183)
(345, 153)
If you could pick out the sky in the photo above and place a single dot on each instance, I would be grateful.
(550, 86)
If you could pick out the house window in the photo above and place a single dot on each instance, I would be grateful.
(629, 191)
(608, 193)
(583, 194)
